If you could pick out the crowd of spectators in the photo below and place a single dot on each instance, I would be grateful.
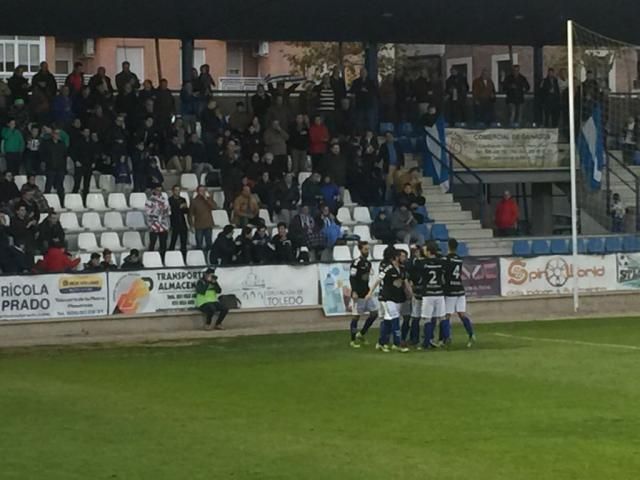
(136, 132)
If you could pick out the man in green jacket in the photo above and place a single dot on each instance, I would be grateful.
(207, 291)
(12, 146)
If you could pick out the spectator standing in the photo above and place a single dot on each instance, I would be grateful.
(75, 80)
(157, 212)
(507, 214)
(618, 214)
(326, 100)
(194, 150)
(275, 142)
(456, 88)
(239, 120)
(484, 98)
(12, 146)
(388, 100)
(515, 86)
(299, 143)
(179, 224)
(122, 174)
(55, 157)
(260, 103)
(245, 209)
(18, 85)
(164, 107)
(331, 194)
(365, 91)
(45, 80)
(391, 155)
(62, 108)
(205, 84)
(100, 81)
(23, 229)
(334, 165)
(201, 218)
(8, 189)
(305, 232)
(550, 99)
(207, 291)
(318, 141)
(279, 111)
(126, 76)
(32, 151)
(338, 84)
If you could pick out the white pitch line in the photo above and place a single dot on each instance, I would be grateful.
(568, 342)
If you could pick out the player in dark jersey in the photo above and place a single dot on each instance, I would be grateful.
(394, 294)
(415, 281)
(405, 310)
(433, 307)
(362, 300)
(455, 298)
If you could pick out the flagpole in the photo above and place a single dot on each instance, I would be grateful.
(572, 165)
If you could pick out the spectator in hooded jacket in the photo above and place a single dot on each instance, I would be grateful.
(507, 213)
(331, 194)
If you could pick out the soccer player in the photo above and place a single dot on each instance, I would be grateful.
(394, 293)
(405, 310)
(455, 298)
(363, 302)
(433, 307)
(412, 329)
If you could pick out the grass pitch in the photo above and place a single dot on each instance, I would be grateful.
(308, 407)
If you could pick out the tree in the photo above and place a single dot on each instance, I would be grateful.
(313, 59)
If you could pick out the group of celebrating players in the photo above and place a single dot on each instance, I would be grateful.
(424, 286)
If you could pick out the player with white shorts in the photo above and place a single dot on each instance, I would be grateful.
(456, 300)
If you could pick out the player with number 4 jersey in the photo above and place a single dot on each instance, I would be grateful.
(455, 298)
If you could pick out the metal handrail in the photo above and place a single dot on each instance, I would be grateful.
(454, 174)
(635, 188)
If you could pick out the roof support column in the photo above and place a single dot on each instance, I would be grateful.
(187, 45)
(371, 59)
(538, 76)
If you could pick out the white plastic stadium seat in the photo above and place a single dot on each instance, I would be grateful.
(107, 183)
(344, 215)
(264, 215)
(218, 198)
(152, 260)
(113, 221)
(346, 198)
(362, 215)
(87, 242)
(220, 218)
(84, 258)
(53, 201)
(95, 201)
(378, 251)
(6, 220)
(189, 181)
(69, 222)
(117, 201)
(20, 180)
(185, 195)
(341, 253)
(137, 200)
(41, 182)
(173, 258)
(363, 232)
(195, 258)
(93, 187)
(111, 240)
(302, 176)
(73, 202)
(136, 221)
(91, 221)
(131, 240)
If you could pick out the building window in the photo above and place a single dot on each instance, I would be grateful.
(463, 65)
(199, 59)
(26, 51)
(234, 60)
(135, 57)
(500, 68)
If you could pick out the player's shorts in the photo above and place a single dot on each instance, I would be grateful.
(432, 307)
(390, 310)
(455, 304)
(416, 307)
(364, 305)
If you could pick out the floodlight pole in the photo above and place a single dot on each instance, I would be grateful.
(572, 165)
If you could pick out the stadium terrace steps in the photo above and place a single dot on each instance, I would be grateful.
(462, 226)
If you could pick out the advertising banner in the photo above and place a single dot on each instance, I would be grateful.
(628, 270)
(554, 275)
(257, 286)
(53, 296)
(505, 147)
(335, 286)
(481, 277)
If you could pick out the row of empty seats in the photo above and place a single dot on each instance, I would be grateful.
(346, 253)
(563, 246)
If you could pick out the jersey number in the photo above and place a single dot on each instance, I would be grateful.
(433, 278)
(456, 272)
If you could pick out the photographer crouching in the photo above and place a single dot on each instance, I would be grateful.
(207, 291)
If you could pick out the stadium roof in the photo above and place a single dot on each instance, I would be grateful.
(517, 22)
